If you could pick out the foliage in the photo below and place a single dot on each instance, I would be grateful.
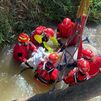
(18, 16)
(4, 27)
(95, 11)
(58, 9)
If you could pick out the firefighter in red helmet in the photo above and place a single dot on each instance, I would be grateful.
(94, 61)
(65, 30)
(41, 37)
(89, 65)
(46, 71)
(79, 73)
(64, 34)
(37, 31)
(22, 48)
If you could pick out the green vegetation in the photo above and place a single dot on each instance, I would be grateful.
(95, 12)
(24, 15)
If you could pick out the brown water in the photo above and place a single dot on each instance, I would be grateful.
(14, 86)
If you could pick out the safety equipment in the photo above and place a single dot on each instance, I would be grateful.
(48, 47)
(54, 40)
(47, 75)
(39, 30)
(66, 21)
(43, 34)
(38, 38)
(53, 57)
(49, 32)
(23, 37)
(87, 53)
(83, 66)
(65, 28)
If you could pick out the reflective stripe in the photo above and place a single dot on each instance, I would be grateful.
(75, 77)
(22, 38)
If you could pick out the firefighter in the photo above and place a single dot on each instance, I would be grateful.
(79, 73)
(23, 47)
(41, 37)
(69, 44)
(37, 31)
(46, 71)
(94, 61)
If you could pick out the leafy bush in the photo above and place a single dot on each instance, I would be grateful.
(18, 16)
(57, 10)
(4, 27)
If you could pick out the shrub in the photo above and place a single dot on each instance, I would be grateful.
(4, 27)
(95, 11)
(18, 16)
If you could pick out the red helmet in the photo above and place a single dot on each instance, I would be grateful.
(66, 21)
(23, 37)
(39, 30)
(53, 57)
(83, 65)
(65, 28)
(49, 32)
(87, 53)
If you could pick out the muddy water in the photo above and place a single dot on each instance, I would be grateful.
(94, 34)
(14, 86)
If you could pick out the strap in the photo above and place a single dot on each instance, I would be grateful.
(76, 78)
(51, 65)
(65, 58)
(42, 79)
(28, 65)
